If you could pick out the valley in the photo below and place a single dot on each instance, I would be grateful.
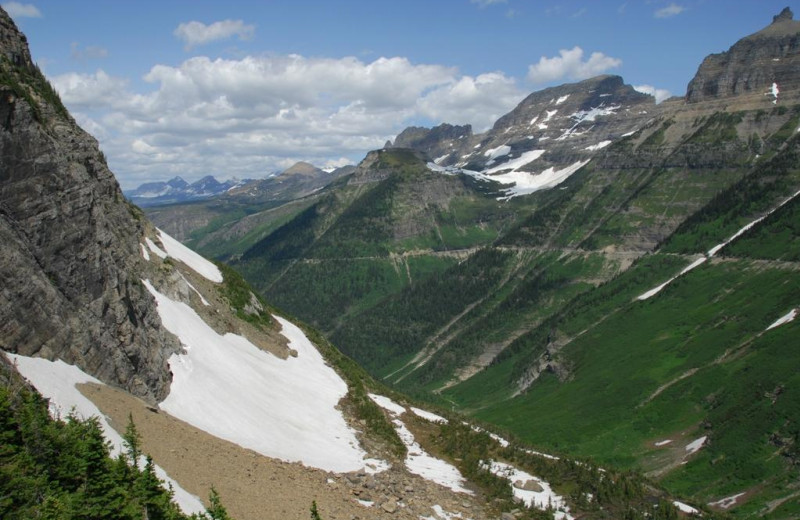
(587, 311)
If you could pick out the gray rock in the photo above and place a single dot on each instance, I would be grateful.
(70, 265)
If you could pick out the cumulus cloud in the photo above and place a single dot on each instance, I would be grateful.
(251, 116)
(659, 93)
(195, 33)
(570, 64)
(479, 101)
(671, 10)
(90, 52)
(20, 10)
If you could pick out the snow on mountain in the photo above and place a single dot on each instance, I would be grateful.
(182, 253)
(538, 494)
(57, 381)
(418, 461)
(281, 408)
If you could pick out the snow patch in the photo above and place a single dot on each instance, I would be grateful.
(57, 381)
(145, 254)
(685, 508)
(542, 126)
(714, 250)
(418, 461)
(533, 121)
(652, 292)
(441, 514)
(726, 502)
(549, 115)
(662, 443)
(517, 163)
(439, 160)
(182, 253)
(593, 113)
(629, 133)
(387, 404)
(695, 445)
(155, 249)
(538, 499)
(192, 287)
(429, 416)
(598, 146)
(562, 99)
(773, 91)
(280, 408)
(500, 151)
(790, 316)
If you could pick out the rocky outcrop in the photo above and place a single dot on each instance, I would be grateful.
(70, 265)
(436, 142)
(753, 65)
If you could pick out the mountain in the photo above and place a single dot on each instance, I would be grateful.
(177, 190)
(597, 273)
(118, 341)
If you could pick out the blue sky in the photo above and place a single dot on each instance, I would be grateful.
(241, 88)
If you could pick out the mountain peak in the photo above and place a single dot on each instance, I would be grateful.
(762, 66)
(301, 168)
(783, 16)
(13, 44)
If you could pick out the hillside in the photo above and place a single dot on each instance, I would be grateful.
(501, 273)
(131, 344)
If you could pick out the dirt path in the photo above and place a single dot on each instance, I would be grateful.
(254, 487)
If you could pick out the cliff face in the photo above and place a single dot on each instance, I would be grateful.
(753, 65)
(70, 265)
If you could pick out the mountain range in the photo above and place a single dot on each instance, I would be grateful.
(587, 311)
(178, 190)
(598, 274)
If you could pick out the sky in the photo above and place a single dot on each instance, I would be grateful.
(245, 89)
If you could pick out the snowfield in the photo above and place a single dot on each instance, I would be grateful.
(182, 253)
(284, 409)
(57, 381)
(418, 461)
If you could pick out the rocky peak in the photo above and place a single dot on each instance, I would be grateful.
(763, 67)
(434, 142)
(783, 16)
(301, 168)
(13, 43)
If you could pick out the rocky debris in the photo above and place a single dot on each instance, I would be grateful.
(70, 266)
(753, 65)
(528, 485)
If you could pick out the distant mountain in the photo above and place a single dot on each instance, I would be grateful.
(298, 181)
(178, 190)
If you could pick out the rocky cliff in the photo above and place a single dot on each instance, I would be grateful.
(70, 261)
(762, 64)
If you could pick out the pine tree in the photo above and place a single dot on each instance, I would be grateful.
(314, 512)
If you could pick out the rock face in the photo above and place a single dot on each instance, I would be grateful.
(435, 142)
(753, 65)
(70, 264)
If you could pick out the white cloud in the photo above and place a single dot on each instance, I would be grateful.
(255, 115)
(196, 33)
(90, 52)
(569, 64)
(487, 3)
(20, 10)
(478, 101)
(671, 10)
(659, 93)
